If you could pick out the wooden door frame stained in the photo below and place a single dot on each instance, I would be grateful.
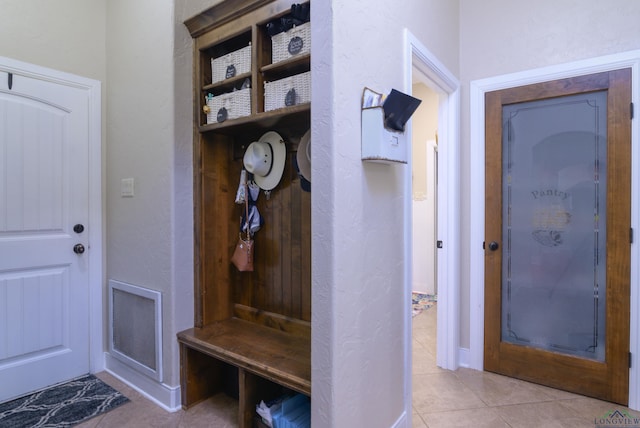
(478, 88)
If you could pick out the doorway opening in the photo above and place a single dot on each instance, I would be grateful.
(424, 174)
(434, 75)
(55, 321)
(424, 198)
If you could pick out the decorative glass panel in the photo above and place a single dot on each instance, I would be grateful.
(554, 224)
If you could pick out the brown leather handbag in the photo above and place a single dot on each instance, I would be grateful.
(242, 257)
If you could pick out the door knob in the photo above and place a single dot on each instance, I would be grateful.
(78, 228)
(493, 245)
(78, 248)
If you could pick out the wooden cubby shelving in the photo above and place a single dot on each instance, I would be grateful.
(252, 330)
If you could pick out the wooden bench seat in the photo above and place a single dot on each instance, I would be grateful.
(280, 357)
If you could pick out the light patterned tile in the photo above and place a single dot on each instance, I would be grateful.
(535, 415)
(442, 391)
(476, 418)
(417, 422)
(139, 413)
(219, 411)
(426, 338)
(426, 320)
(592, 409)
(424, 361)
(497, 390)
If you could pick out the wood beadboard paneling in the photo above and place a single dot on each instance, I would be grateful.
(281, 280)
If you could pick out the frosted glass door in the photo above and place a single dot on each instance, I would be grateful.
(554, 224)
(557, 225)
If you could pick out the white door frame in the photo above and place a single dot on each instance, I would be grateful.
(477, 155)
(94, 255)
(448, 216)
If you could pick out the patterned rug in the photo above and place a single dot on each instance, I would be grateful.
(62, 405)
(421, 301)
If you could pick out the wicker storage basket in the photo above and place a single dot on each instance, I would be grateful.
(231, 65)
(229, 106)
(294, 42)
(287, 92)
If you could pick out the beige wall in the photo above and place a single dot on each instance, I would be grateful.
(66, 35)
(358, 208)
(504, 36)
(425, 127)
(140, 146)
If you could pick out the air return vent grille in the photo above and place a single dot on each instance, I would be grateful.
(135, 327)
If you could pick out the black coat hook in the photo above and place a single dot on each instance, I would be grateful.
(10, 80)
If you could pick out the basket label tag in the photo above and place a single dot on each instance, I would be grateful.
(231, 71)
(290, 98)
(295, 45)
(222, 114)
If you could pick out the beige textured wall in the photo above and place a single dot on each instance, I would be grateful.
(504, 36)
(140, 144)
(424, 128)
(358, 245)
(66, 35)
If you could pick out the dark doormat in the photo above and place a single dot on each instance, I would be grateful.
(63, 405)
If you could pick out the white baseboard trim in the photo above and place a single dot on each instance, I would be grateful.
(464, 357)
(402, 421)
(165, 396)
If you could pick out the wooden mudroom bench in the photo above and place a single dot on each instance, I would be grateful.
(266, 359)
(275, 355)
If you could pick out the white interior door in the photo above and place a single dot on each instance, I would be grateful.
(44, 283)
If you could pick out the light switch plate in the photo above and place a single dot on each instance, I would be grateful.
(127, 188)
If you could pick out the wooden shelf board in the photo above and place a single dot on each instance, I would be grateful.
(274, 355)
(227, 82)
(298, 63)
(293, 117)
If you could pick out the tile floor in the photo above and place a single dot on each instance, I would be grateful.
(470, 398)
(441, 398)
